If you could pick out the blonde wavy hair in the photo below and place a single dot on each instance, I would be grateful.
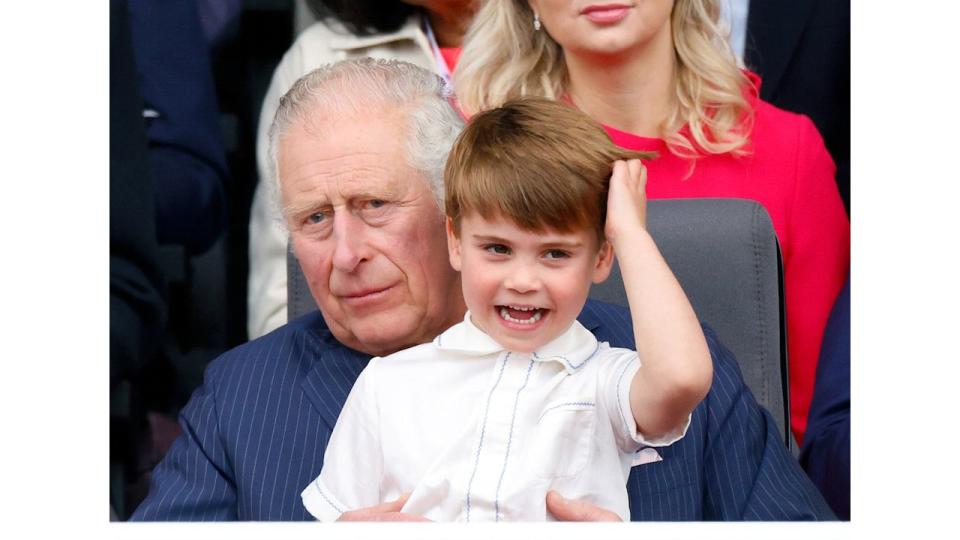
(504, 58)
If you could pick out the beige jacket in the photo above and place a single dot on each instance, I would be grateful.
(320, 44)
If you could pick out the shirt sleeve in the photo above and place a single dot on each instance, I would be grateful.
(816, 263)
(617, 368)
(353, 461)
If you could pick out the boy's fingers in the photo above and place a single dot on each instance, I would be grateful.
(619, 168)
(391, 506)
(574, 510)
(637, 171)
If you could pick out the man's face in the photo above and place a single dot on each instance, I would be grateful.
(525, 288)
(367, 233)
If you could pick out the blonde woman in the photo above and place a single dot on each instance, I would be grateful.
(659, 75)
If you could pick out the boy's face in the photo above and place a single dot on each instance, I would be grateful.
(525, 288)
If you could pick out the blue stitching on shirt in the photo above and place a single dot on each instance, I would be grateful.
(516, 401)
(483, 428)
(567, 361)
(324, 495)
(583, 403)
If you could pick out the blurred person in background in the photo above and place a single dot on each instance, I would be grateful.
(138, 310)
(180, 108)
(171, 86)
(801, 50)
(826, 449)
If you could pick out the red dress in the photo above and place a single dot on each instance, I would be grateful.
(791, 174)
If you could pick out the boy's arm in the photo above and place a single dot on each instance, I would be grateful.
(676, 369)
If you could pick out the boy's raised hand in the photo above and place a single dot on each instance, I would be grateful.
(676, 368)
(626, 200)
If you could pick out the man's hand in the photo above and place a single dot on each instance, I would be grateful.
(388, 511)
(571, 510)
(626, 200)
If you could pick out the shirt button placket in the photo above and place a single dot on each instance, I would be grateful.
(493, 449)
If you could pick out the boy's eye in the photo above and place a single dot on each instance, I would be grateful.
(555, 254)
(498, 249)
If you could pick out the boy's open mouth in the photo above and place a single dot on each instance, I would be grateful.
(521, 314)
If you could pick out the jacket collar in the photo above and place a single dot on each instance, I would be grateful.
(412, 30)
(332, 369)
(572, 349)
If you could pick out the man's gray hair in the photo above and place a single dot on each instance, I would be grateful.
(351, 87)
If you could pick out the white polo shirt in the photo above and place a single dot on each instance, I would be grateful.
(477, 433)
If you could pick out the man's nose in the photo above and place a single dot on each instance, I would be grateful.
(523, 278)
(349, 239)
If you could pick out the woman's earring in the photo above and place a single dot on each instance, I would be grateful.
(536, 21)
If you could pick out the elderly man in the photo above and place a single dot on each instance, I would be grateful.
(359, 148)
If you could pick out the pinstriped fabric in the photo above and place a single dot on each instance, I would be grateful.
(731, 465)
(255, 434)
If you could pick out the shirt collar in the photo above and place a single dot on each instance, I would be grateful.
(411, 30)
(572, 349)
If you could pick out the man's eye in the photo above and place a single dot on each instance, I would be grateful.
(555, 254)
(317, 217)
(374, 208)
(372, 204)
(498, 249)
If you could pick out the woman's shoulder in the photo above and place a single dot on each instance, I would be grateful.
(772, 124)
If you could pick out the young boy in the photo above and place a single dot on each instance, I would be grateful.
(520, 398)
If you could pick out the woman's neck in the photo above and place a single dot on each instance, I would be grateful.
(450, 25)
(632, 91)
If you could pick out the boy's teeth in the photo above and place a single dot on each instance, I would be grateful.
(505, 315)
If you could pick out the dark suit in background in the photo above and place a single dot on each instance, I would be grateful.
(186, 146)
(826, 449)
(176, 207)
(801, 50)
(137, 286)
(254, 436)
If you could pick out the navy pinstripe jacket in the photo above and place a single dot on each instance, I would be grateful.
(254, 435)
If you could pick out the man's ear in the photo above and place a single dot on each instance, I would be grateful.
(604, 264)
(453, 246)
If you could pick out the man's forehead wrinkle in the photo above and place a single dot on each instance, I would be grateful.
(338, 168)
(321, 179)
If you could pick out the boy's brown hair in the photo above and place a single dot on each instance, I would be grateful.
(539, 162)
